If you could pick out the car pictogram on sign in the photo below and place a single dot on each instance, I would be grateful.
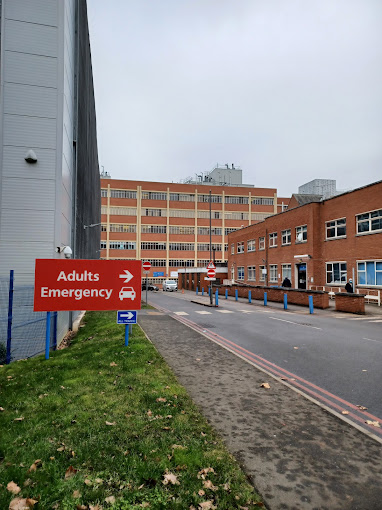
(127, 293)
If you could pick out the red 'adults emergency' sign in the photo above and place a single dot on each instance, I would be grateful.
(87, 285)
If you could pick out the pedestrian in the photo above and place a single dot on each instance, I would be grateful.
(286, 282)
(349, 286)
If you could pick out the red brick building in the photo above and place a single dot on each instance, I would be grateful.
(318, 245)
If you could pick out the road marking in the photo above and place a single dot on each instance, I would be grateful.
(204, 313)
(291, 322)
(370, 339)
(359, 318)
(224, 311)
(247, 311)
(181, 313)
(376, 321)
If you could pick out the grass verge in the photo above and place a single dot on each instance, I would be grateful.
(104, 426)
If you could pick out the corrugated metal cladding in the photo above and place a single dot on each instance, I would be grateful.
(88, 181)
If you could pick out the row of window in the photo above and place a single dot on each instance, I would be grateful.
(186, 197)
(162, 229)
(369, 273)
(286, 238)
(131, 245)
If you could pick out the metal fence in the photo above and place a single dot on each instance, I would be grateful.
(22, 331)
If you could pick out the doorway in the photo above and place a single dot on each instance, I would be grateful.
(301, 276)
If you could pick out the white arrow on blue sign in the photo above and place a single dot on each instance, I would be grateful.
(126, 317)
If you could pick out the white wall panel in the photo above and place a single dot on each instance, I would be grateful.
(37, 195)
(21, 256)
(44, 12)
(30, 69)
(29, 131)
(14, 164)
(30, 100)
(26, 225)
(30, 38)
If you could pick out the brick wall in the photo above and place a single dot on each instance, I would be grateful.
(352, 303)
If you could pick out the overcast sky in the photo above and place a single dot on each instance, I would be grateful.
(289, 90)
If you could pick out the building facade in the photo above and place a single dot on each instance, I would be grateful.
(49, 175)
(168, 223)
(319, 245)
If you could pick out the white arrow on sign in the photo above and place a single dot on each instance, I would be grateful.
(127, 315)
(128, 276)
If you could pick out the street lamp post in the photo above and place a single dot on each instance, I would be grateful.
(210, 250)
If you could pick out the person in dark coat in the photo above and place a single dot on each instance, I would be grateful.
(286, 282)
(349, 286)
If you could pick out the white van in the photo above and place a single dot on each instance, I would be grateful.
(170, 285)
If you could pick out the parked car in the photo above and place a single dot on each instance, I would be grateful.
(127, 293)
(170, 285)
(150, 286)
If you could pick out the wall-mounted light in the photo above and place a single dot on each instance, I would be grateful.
(91, 225)
(30, 157)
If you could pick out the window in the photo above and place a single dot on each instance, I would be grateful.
(182, 197)
(273, 239)
(123, 193)
(153, 229)
(103, 192)
(370, 272)
(157, 262)
(154, 212)
(262, 201)
(153, 246)
(153, 195)
(103, 245)
(240, 273)
(122, 245)
(236, 200)
(273, 273)
(205, 231)
(215, 199)
(260, 216)
(261, 243)
(203, 262)
(369, 222)
(262, 274)
(229, 230)
(206, 247)
(336, 228)
(240, 247)
(251, 245)
(116, 227)
(251, 273)
(286, 271)
(177, 229)
(301, 234)
(103, 228)
(181, 263)
(286, 237)
(206, 214)
(236, 216)
(225, 246)
(336, 272)
(232, 248)
(120, 211)
(181, 246)
(182, 213)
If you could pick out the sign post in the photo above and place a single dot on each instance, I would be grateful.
(146, 268)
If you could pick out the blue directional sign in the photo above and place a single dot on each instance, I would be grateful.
(158, 273)
(127, 317)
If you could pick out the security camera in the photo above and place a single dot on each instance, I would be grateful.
(67, 251)
(30, 157)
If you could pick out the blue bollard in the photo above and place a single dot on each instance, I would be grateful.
(197, 290)
(202, 291)
(265, 299)
(216, 298)
(226, 293)
(236, 296)
(47, 335)
(249, 297)
(285, 302)
(126, 335)
(311, 304)
(209, 291)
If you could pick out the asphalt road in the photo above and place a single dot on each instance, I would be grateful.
(333, 358)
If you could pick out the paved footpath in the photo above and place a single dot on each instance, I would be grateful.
(296, 454)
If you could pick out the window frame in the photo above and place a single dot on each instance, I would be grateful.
(342, 272)
(240, 246)
(304, 234)
(273, 273)
(335, 227)
(289, 275)
(261, 243)
(376, 271)
(273, 238)
(251, 245)
(370, 220)
(251, 270)
(240, 273)
(284, 233)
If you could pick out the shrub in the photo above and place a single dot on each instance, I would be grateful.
(3, 353)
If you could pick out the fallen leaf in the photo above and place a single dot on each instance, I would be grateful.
(22, 504)
(226, 486)
(34, 466)
(1, 409)
(62, 387)
(51, 458)
(110, 499)
(345, 412)
(27, 482)
(112, 364)
(207, 484)
(295, 347)
(145, 504)
(362, 408)
(19, 419)
(161, 399)
(110, 423)
(203, 472)
(87, 481)
(97, 507)
(201, 492)
(364, 370)
(141, 486)
(170, 478)
(179, 447)
(61, 449)
(81, 507)
(76, 494)
(149, 413)
(13, 487)
(374, 423)
(207, 505)
(71, 471)
(264, 385)
(99, 480)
